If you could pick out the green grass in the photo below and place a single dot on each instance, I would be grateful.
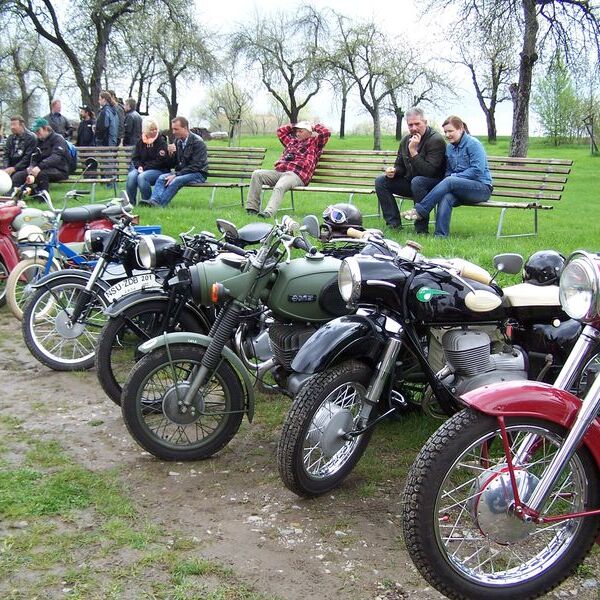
(571, 225)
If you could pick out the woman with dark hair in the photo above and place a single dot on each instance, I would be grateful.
(107, 124)
(467, 180)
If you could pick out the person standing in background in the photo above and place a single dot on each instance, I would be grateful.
(133, 124)
(86, 135)
(57, 121)
(107, 124)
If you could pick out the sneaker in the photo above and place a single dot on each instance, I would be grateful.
(264, 215)
(411, 215)
(251, 211)
(149, 202)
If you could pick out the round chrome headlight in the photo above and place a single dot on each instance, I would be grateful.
(579, 287)
(94, 239)
(349, 280)
(145, 253)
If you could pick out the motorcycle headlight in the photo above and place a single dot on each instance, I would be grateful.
(94, 239)
(145, 253)
(579, 287)
(349, 280)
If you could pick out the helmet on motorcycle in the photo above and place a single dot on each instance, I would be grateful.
(31, 234)
(338, 218)
(5, 183)
(543, 267)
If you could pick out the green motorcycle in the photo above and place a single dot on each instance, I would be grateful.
(185, 399)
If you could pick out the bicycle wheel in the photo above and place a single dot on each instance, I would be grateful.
(19, 283)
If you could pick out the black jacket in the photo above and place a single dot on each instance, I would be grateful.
(152, 156)
(193, 158)
(121, 116)
(85, 133)
(53, 154)
(429, 162)
(18, 150)
(133, 128)
(60, 124)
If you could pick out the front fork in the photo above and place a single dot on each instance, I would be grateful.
(82, 302)
(384, 370)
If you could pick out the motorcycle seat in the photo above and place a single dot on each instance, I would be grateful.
(87, 212)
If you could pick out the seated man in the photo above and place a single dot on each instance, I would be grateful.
(419, 167)
(19, 146)
(191, 164)
(50, 162)
(303, 144)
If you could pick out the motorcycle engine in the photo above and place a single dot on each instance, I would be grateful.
(286, 339)
(468, 358)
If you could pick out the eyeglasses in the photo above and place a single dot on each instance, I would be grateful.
(335, 215)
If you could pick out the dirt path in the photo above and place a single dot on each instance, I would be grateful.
(234, 506)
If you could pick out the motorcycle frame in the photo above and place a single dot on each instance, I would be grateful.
(550, 403)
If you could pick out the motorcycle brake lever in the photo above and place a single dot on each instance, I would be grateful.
(287, 244)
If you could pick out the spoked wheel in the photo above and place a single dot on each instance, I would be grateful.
(19, 284)
(153, 410)
(459, 526)
(49, 333)
(312, 455)
(119, 339)
(3, 279)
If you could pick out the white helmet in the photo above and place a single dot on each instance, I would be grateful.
(31, 234)
(5, 183)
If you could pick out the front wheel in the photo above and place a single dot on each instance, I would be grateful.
(156, 417)
(50, 334)
(19, 283)
(313, 456)
(459, 524)
(3, 279)
(119, 339)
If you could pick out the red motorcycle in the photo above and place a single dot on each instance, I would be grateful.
(503, 501)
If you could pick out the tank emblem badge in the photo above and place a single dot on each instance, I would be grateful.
(425, 294)
(302, 298)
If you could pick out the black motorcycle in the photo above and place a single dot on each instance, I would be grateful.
(441, 324)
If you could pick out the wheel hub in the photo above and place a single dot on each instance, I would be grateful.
(492, 505)
(66, 328)
(175, 410)
(330, 424)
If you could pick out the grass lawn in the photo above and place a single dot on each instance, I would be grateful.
(571, 225)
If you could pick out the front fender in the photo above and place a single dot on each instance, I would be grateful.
(70, 274)
(184, 337)
(352, 336)
(536, 400)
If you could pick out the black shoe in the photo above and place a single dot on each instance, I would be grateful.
(394, 225)
(251, 211)
(264, 215)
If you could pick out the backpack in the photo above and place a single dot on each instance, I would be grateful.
(72, 156)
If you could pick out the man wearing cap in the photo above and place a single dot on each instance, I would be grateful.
(303, 144)
(19, 147)
(86, 135)
(49, 162)
(57, 121)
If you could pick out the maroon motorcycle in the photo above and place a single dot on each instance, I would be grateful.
(503, 501)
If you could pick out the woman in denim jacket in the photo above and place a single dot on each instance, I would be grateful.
(467, 180)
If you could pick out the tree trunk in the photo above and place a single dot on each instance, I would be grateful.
(343, 116)
(490, 118)
(521, 91)
(376, 129)
(399, 116)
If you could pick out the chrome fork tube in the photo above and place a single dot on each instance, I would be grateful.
(589, 336)
(384, 369)
(587, 413)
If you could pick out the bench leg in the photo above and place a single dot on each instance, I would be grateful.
(211, 201)
(501, 224)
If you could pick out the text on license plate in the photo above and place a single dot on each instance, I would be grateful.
(132, 284)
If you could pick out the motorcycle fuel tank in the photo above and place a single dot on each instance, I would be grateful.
(306, 290)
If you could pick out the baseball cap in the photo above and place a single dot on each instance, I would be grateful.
(38, 124)
(87, 108)
(304, 125)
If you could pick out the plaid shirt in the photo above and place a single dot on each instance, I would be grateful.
(301, 156)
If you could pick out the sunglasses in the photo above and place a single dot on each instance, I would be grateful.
(335, 215)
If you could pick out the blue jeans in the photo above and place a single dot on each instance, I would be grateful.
(142, 181)
(163, 194)
(451, 192)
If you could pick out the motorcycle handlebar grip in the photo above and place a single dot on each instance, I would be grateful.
(301, 244)
(233, 248)
(475, 272)
(355, 233)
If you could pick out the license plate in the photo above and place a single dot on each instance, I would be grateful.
(132, 284)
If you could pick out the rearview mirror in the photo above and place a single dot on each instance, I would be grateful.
(227, 228)
(311, 225)
(508, 263)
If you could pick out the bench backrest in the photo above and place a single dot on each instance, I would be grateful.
(535, 178)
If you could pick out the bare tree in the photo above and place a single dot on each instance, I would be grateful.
(342, 85)
(51, 69)
(285, 48)
(232, 102)
(565, 23)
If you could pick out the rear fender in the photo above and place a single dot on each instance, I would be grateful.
(8, 253)
(536, 400)
(183, 337)
(345, 337)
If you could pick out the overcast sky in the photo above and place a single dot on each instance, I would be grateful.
(399, 17)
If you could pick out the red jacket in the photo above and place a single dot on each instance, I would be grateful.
(301, 156)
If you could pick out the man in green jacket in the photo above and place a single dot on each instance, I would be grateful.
(419, 167)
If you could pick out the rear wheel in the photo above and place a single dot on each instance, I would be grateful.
(119, 339)
(48, 331)
(20, 280)
(156, 417)
(313, 456)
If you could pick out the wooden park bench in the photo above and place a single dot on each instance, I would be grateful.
(519, 183)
